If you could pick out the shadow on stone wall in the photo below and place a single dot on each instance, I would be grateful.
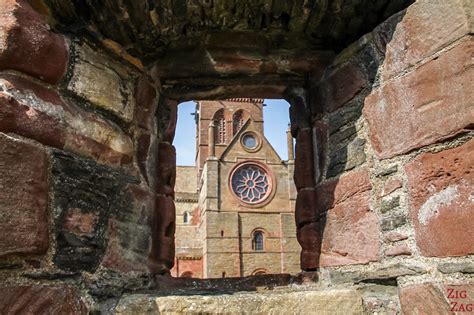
(334, 207)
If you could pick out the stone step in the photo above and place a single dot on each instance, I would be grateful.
(330, 302)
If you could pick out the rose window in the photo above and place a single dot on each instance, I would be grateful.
(250, 183)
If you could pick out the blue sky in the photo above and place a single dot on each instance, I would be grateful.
(275, 115)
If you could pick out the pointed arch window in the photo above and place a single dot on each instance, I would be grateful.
(219, 122)
(257, 242)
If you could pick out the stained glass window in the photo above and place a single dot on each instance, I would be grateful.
(250, 183)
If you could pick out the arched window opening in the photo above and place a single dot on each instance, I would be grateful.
(259, 271)
(219, 122)
(223, 274)
(186, 217)
(239, 119)
(257, 243)
(187, 274)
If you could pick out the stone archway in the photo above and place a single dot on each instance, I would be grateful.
(88, 95)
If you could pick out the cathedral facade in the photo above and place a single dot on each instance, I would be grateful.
(235, 208)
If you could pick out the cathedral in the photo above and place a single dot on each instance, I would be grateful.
(235, 207)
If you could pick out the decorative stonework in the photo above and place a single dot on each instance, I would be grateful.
(250, 183)
(250, 141)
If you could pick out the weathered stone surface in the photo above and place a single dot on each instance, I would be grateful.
(386, 171)
(27, 44)
(341, 84)
(389, 204)
(398, 250)
(23, 197)
(343, 301)
(390, 186)
(423, 299)
(246, 26)
(300, 115)
(467, 267)
(335, 191)
(393, 221)
(146, 99)
(440, 189)
(380, 299)
(305, 207)
(33, 111)
(129, 233)
(84, 190)
(304, 160)
(346, 158)
(459, 295)
(429, 104)
(395, 237)
(340, 121)
(166, 169)
(320, 144)
(425, 28)
(146, 155)
(386, 275)
(309, 237)
(168, 113)
(164, 284)
(351, 233)
(103, 81)
(346, 148)
(161, 258)
(80, 223)
(351, 229)
(41, 299)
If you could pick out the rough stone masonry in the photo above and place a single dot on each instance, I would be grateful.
(382, 109)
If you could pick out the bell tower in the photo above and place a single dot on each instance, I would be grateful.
(221, 121)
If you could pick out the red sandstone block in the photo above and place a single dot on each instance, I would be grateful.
(398, 250)
(305, 207)
(342, 84)
(41, 299)
(304, 160)
(309, 237)
(426, 298)
(433, 298)
(33, 111)
(146, 103)
(28, 45)
(339, 190)
(172, 108)
(390, 186)
(166, 169)
(351, 233)
(395, 237)
(425, 28)
(351, 230)
(442, 207)
(429, 104)
(320, 134)
(162, 253)
(23, 197)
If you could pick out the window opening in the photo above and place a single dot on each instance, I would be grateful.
(258, 241)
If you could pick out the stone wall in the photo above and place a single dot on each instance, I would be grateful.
(391, 136)
(78, 169)
(87, 166)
